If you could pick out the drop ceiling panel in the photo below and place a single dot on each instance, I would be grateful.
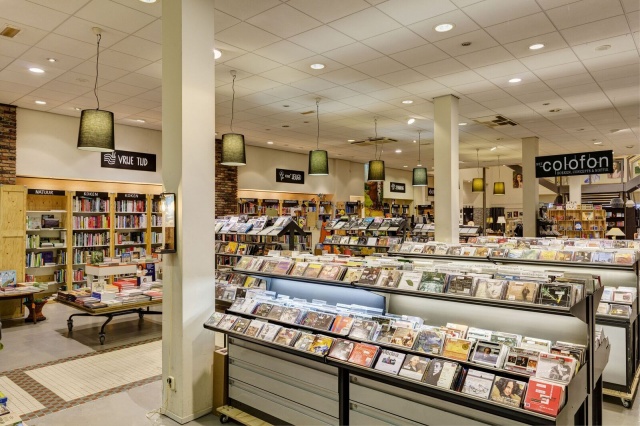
(491, 12)
(422, 55)
(612, 61)
(81, 30)
(257, 83)
(459, 78)
(376, 23)
(521, 28)
(395, 41)
(139, 47)
(583, 12)
(552, 41)
(67, 46)
(616, 45)
(322, 39)
(463, 24)
(479, 40)
(440, 68)
(328, 10)
(313, 84)
(246, 36)
(544, 60)
(39, 57)
(244, 9)
(284, 52)
(114, 15)
(284, 21)
(402, 77)
(32, 14)
(88, 68)
(152, 70)
(122, 60)
(510, 69)
(252, 63)
(380, 66)
(408, 12)
(285, 75)
(597, 31)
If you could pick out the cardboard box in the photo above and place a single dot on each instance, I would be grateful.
(220, 379)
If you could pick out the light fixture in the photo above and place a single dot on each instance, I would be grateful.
(407, 101)
(216, 54)
(398, 151)
(376, 166)
(477, 185)
(317, 66)
(96, 125)
(493, 148)
(148, 1)
(443, 28)
(411, 121)
(351, 140)
(405, 166)
(318, 159)
(41, 102)
(462, 124)
(77, 108)
(233, 153)
(615, 232)
(536, 46)
(269, 142)
(420, 177)
(51, 59)
(597, 143)
(498, 187)
(515, 80)
(36, 70)
(603, 47)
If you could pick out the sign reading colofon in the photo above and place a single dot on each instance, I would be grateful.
(45, 192)
(397, 187)
(129, 160)
(584, 163)
(290, 176)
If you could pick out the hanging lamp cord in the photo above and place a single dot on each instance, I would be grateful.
(233, 97)
(318, 119)
(95, 86)
(478, 160)
(419, 162)
(498, 167)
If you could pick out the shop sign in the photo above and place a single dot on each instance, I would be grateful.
(397, 187)
(45, 192)
(584, 163)
(290, 203)
(431, 192)
(290, 176)
(129, 160)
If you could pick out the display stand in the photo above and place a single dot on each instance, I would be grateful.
(395, 227)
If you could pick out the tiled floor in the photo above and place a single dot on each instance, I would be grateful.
(20, 402)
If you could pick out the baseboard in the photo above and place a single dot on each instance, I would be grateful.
(186, 419)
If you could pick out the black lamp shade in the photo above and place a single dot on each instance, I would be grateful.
(233, 153)
(96, 131)
(477, 185)
(498, 188)
(420, 177)
(318, 163)
(376, 170)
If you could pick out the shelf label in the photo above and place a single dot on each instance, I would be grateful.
(129, 160)
(129, 196)
(270, 201)
(45, 192)
(92, 194)
(583, 163)
(290, 176)
(290, 203)
(397, 187)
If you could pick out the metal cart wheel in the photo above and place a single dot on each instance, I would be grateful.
(224, 419)
(626, 403)
(102, 337)
(70, 325)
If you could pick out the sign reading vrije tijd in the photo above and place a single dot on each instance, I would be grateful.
(129, 160)
(583, 163)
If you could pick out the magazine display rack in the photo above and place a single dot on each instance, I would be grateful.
(364, 236)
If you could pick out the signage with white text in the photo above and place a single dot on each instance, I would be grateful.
(129, 160)
(583, 163)
(397, 187)
(290, 176)
(45, 192)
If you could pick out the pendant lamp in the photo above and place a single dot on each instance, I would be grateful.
(376, 166)
(96, 125)
(477, 185)
(498, 187)
(420, 177)
(233, 153)
(318, 158)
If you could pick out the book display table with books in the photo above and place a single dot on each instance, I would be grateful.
(373, 365)
(9, 293)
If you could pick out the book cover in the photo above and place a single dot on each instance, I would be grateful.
(487, 353)
(321, 345)
(363, 329)
(352, 275)
(241, 325)
(555, 294)
(313, 270)
(478, 383)
(389, 278)
(410, 280)
(404, 337)
(363, 354)
(282, 268)
(460, 284)
(263, 309)
(269, 332)
(441, 373)
(508, 391)
(486, 288)
(554, 367)
(342, 324)
(341, 349)
(457, 348)
(286, 336)
(521, 291)
(291, 315)
(244, 262)
(324, 321)
(507, 339)
(227, 322)
(330, 272)
(269, 266)
(414, 367)
(430, 342)
(522, 360)
(544, 397)
(433, 282)
(298, 269)
(275, 313)
(370, 275)
(254, 328)
(390, 361)
(304, 341)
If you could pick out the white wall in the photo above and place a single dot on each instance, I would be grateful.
(46, 147)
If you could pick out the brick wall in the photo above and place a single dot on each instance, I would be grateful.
(8, 144)
(226, 186)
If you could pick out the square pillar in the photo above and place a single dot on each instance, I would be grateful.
(575, 188)
(530, 197)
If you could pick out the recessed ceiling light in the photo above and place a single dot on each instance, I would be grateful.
(41, 102)
(51, 59)
(405, 166)
(462, 124)
(411, 121)
(465, 44)
(419, 165)
(216, 53)
(536, 46)
(555, 110)
(604, 47)
(494, 148)
(407, 101)
(317, 66)
(269, 142)
(398, 151)
(148, 1)
(597, 143)
(443, 28)
(351, 140)
(546, 103)
(461, 162)
(515, 80)
(139, 120)
(77, 109)
(414, 141)
(36, 70)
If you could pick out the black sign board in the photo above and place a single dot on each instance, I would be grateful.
(249, 200)
(129, 196)
(45, 192)
(405, 206)
(129, 160)
(270, 201)
(351, 203)
(395, 206)
(290, 176)
(325, 203)
(90, 194)
(397, 187)
(583, 163)
(431, 192)
(290, 203)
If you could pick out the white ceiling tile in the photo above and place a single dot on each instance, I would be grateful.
(634, 20)
(399, 78)
(154, 9)
(485, 57)
(122, 60)
(246, 36)
(152, 70)
(328, 10)
(285, 75)
(106, 72)
(284, 21)
(615, 73)
(304, 65)
(521, 28)
(337, 93)
(479, 40)
(139, 47)
(558, 71)
(86, 81)
(520, 88)
(618, 45)
(152, 95)
(10, 98)
(285, 92)
(244, 9)
(39, 56)
(141, 80)
(313, 84)
(322, 39)
(422, 86)
(459, 78)
(344, 76)
(16, 88)
(491, 12)
(152, 32)
(388, 94)
(67, 46)
(66, 6)
(81, 30)
(508, 69)
(612, 61)
(4, 61)
(284, 52)
(549, 59)
(477, 87)
(359, 100)
(630, 5)
(440, 68)
(420, 55)
(27, 36)
(352, 54)
(598, 30)
(380, 66)
(77, 90)
(222, 21)
(252, 63)
(574, 80)
(257, 83)
(395, 41)
(376, 23)
(123, 89)
(552, 41)
(141, 103)
(495, 93)
(410, 11)
(463, 24)
(550, 4)
(368, 86)
(583, 12)
(114, 15)
(32, 14)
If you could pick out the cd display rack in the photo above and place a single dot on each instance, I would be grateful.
(364, 236)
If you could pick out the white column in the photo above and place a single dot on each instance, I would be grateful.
(530, 186)
(188, 135)
(575, 189)
(447, 173)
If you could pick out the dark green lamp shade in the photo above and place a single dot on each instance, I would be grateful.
(420, 177)
(233, 153)
(318, 163)
(498, 188)
(477, 185)
(376, 170)
(96, 131)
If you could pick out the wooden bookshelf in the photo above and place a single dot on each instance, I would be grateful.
(580, 222)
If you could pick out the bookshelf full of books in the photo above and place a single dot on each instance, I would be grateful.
(364, 236)
(579, 221)
(155, 225)
(458, 341)
(130, 223)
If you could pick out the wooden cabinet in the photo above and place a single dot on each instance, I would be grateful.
(13, 206)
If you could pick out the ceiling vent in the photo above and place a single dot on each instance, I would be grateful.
(373, 141)
(495, 121)
(9, 31)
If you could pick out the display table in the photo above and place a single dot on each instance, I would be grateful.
(92, 271)
(111, 312)
(21, 294)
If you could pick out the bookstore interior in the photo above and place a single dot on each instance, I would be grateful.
(482, 267)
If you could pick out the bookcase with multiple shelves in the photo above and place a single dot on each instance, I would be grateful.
(130, 223)
(584, 221)
(155, 225)
(624, 218)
